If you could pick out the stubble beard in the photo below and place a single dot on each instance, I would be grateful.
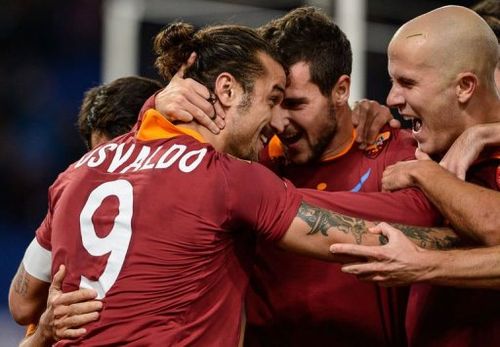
(326, 137)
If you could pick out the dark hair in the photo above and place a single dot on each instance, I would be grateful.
(112, 109)
(489, 10)
(225, 48)
(306, 34)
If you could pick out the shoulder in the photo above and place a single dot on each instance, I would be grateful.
(393, 145)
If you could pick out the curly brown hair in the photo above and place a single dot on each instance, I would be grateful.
(307, 34)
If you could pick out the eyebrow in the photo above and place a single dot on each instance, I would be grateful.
(279, 88)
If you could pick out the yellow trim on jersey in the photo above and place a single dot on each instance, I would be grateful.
(154, 127)
(276, 149)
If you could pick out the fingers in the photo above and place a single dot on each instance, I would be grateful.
(80, 308)
(76, 296)
(70, 327)
(369, 117)
(76, 321)
(185, 99)
(372, 252)
(394, 123)
(384, 229)
(188, 63)
(58, 278)
(70, 333)
(420, 155)
(379, 120)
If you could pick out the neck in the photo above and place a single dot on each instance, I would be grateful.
(344, 134)
(485, 108)
(217, 141)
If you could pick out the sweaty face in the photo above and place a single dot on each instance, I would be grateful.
(424, 94)
(251, 129)
(311, 122)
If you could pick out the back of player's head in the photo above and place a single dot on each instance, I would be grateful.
(112, 109)
(490, 11)
(225, 48)
(308, 35)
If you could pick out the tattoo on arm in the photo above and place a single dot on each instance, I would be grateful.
(21, 281)
(430, 238)
(320, 220)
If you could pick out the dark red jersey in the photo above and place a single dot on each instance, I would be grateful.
(458, 317)
(163, 227)
(295, 301)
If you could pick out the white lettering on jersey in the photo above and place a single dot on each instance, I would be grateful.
(143, 154)
(185, 167)
(101, 155)
(180, 149)
(148, 165)
(118, 158)
(187, 161)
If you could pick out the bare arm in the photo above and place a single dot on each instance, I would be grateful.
(27, 297)
(471, 209)
(65, 314)
(400, 262)
(468, 146)
(314, 229)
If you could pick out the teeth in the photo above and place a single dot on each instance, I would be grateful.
(263, 138)
(416, 125)
(407, 118)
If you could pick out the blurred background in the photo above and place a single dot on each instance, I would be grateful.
(53, 51)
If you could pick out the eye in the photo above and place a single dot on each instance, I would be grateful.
(293, 104)
(406, 82)
(275, 100)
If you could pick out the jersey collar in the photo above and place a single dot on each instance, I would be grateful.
(154, 127)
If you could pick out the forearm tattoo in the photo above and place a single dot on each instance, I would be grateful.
(430, 238)
(321, 220)
(21, 281)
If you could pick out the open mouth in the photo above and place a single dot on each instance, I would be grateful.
(416, 124)
(290, 138)
(266, 134)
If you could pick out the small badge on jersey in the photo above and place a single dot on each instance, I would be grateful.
(373, 151)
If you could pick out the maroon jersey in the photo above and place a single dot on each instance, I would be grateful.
(457, 317)
(162, 225)
(296, 301)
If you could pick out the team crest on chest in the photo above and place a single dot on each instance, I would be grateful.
(373, 151)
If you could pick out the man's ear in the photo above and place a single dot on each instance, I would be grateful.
(341, 90)
(466, 85)
(226, 88)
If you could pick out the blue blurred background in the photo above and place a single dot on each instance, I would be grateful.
(52, 51)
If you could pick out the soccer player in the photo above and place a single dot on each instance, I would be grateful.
(442, 65)
(107, 111)
(290, 302)
(170, 261)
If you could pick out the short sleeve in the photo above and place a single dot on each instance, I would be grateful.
(43, 233)
(259, 199)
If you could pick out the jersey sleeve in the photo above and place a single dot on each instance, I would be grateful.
(43, 233)
(259, 199)
(406, 206)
